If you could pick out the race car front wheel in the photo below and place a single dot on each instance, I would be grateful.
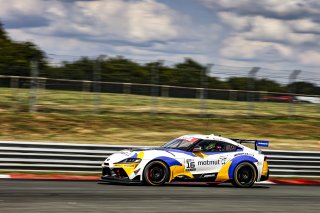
(156, 173)
(244, 175)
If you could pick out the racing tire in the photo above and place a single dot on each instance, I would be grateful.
(156, 173)
(244, 175)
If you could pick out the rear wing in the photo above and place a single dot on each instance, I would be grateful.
(256, 143)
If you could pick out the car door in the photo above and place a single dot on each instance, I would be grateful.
(211, 156)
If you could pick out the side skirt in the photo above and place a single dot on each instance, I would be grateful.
(208, 177)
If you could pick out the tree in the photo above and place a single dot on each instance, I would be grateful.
(303, 88)
(268, 85)
(3, 34)
(238, 83)
(15, 57)
(187, 73)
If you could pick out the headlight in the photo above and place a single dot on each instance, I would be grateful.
(130, 160)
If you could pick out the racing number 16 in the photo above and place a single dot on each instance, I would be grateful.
(190, 164)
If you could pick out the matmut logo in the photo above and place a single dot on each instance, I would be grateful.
(208, 162)
(221, 161)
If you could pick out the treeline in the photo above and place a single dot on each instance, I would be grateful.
(15, 58)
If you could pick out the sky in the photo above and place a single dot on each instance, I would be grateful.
(278, 35)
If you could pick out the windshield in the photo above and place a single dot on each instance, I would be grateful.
(179, 143)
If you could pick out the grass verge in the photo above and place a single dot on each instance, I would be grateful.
(141, 120)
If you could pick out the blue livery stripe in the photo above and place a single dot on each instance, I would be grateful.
(169, 161)
(237, 160)
(134, 156)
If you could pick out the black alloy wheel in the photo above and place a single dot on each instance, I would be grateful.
(156, 173)
(244, 175)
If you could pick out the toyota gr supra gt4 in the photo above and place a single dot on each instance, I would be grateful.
(190, 158)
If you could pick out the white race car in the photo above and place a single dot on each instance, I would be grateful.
(200, 158)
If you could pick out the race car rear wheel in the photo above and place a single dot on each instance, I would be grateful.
(156, 173)
(244, 175)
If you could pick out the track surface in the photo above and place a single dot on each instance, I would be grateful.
(68, 196)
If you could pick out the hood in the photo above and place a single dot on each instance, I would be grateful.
(132, 153)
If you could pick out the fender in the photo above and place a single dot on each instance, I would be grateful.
(237, 160)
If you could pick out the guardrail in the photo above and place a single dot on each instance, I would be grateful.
(87, 158)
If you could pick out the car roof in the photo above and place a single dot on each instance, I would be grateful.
(210, 137)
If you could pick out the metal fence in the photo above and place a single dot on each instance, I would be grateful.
(46, 94)
(87, 158)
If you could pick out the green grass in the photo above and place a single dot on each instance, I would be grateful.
(142, 120)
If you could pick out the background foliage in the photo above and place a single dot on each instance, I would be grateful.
(15, 60)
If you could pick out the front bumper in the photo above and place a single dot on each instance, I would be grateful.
(113, 179)
(117, 175)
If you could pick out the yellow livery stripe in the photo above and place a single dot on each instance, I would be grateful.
(223, 175)
(265, 168)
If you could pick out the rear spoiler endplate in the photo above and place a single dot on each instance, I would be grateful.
(263, 143)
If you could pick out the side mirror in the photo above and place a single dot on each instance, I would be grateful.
(197, 149)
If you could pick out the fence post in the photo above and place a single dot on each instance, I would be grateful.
(250, 94)
(203, 105)
(86, 86)
(33, 86)
(262, 96)
(42, 83)
(292, 78)
(97, 83)
(126, 88)
(14, 81)
(165, 91)
(155, 86)
(203, 91)
(14, 84)
(232, 95)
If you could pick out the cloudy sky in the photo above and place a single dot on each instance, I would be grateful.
(281, 35)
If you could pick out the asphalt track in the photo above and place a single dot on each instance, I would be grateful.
(87, 196)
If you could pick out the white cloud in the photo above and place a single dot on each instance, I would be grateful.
(151, 20)
(234, 20)
(310, 57)
(21, 7)
(137, 20)
(146, 27)
(240, 48)
(276, 30)
(284, 8)
(305, 25)
(270, 29)
(266, 28)
(254, 31)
